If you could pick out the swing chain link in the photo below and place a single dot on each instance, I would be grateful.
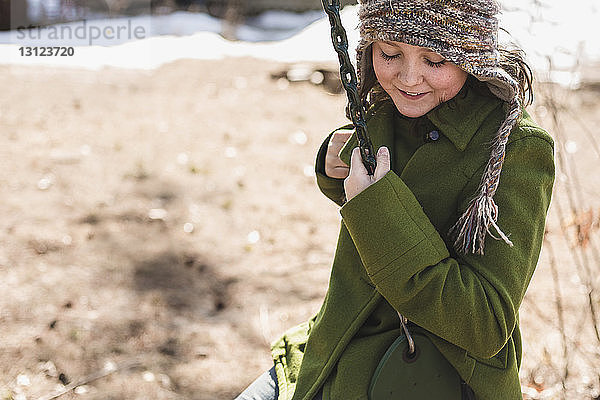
(355, 107)
(349, 82)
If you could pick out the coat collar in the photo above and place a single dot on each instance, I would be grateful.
(460, 118)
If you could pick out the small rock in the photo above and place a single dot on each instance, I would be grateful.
(157, 214)
(571, 147)
(110, 366)
(253, 237)
(46, 182)
(148, 376)
(317, 78)
(23, 380)
(81, 390)
(298, 137)
(230, 152)
(299, 73)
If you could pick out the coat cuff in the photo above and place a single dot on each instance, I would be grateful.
(391, 231)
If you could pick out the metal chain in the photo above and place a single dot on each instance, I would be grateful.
(357, 112)
(349, 82)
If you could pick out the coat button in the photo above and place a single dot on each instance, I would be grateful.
(433, 136)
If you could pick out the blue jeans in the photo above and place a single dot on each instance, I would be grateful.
(265, 388)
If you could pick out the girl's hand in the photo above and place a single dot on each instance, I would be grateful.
(334, 166)
(358, 179)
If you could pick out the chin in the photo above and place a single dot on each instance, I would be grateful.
(410, 112)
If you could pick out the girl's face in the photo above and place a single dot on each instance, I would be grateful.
(416, 78)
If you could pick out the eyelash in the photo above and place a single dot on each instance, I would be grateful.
(387, 57)
(430, 63)
(435, 64)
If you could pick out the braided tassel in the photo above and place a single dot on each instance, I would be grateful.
(472, 227)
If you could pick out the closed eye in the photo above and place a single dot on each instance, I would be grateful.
(435, 64)
(388, 57)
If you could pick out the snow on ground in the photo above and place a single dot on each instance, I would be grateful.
(198, 38)
(565, 33)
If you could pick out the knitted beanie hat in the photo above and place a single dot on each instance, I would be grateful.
(464, 32)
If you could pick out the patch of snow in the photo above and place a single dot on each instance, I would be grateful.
(562, 34)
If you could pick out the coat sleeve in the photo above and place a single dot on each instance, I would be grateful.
(471, 301)
(331, 187)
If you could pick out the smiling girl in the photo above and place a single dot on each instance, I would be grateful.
(446, 233)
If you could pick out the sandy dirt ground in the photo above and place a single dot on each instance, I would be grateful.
(159, 229)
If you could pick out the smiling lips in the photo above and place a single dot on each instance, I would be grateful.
(412, 95)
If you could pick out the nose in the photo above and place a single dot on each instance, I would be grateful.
(410, 74)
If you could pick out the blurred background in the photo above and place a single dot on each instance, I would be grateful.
(50, 11)
(161, 224)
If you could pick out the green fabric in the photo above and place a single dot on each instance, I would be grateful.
(394, 253)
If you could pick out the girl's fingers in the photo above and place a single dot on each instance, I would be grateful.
(383, 162)
(334, 166)
(356, 163)
(338, 172)
(358, 179)
(340, 138)
(337, 141)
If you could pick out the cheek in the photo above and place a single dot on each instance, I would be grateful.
(448, 82)
(384, 72)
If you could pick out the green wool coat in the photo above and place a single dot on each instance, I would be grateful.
(394, 253)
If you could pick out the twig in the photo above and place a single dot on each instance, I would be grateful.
(90, 378)
(559, 312)
(265, 327)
